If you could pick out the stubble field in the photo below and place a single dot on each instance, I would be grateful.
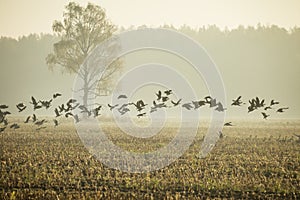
(255, 160)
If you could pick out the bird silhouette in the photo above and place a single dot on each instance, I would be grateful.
(34, 118)
(111, 107)
(213, 103)
(140, 105)
(220, 107)
(237, 102)
(265, 115)
(56, 95)
(14, 126)
(281, 110)
(198, 104)
(187, 106)
(3, 106)
(159, 95)
(27, 119)
(176, 103)
(273, 102)
(123, 110)
(267, 108)
(159, 105)
(122, 96)
(46, 103)
(41, 122)
(168, 92)
(68, 114)
(164, 99)
(55, 122)
(228, 124)
(141, 115)
(57, 113)
(21, 107)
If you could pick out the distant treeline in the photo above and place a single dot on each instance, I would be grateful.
(259, 46)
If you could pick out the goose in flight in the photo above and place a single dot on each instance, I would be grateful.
(159, 105)
(159, 95)
(220, 107)
(164, 99)
(141, 115)
(122, 96)
(57, 113)
(273, 102)
(237, 102)
(140, 105)
(267, 108)
(27, 119)
(56, 95)
(213, 103)
(39, 123)
(21, 107)
(14, 126)
(265, 115)
(46, 104)
(228, 124)
(55, 122)
(187, 106)
(168, 92)
(123, 110)
(198, 104)
(34, 118)
(176, 103)
(111, 107)
(281, 110)
(3, 106)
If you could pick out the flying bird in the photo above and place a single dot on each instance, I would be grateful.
(220, 107)
(176, 103)
(56, 95)
(187, 106)
(34, 118)
(168, 92)
(273, 102)
(111, 107)
(122, 96)
(27, 119)
(14, 126)
(55, 122)
(265, 115)
(281, 110)
(164, 99)
(39, 123)
(21, 107)
(57, 114)
(159, 95)
(267, 108)
(3, 106)
(237, 102)
(228, 124)
(141, 115)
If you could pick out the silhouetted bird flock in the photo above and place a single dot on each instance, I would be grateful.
(163, 100)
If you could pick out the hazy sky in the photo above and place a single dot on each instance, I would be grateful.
(19, 17)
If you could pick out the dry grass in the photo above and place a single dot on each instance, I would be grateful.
(254, 160)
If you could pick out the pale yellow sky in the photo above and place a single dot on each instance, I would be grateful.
(19, 17)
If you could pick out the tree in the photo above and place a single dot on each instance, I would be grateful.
(81, 30)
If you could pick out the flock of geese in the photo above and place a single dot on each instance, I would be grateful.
(163, 100)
